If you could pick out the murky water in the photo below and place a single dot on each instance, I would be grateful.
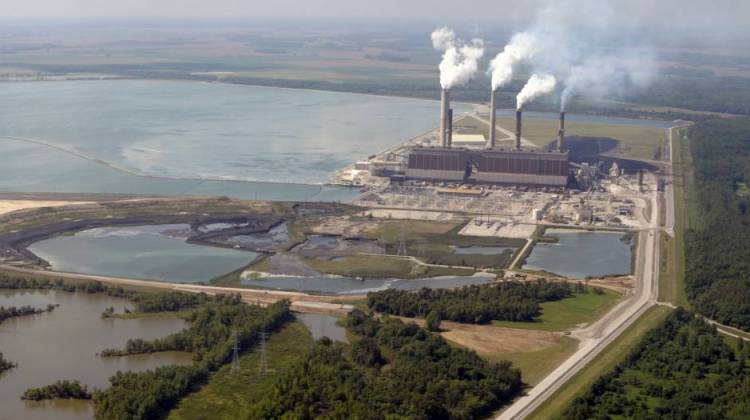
(351, 286)
(143, 252)
(201, 137)
(275, 237)
(63, 345)
(481, 250)
(323, 326)
(581, 254)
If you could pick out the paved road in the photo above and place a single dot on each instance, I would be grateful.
(596, 337)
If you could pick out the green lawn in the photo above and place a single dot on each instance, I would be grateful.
(602, 363)
(535, 365)
(672, 278)
(567, 313)
(228, 395)
(635, 142)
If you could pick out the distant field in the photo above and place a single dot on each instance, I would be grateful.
(567, 313)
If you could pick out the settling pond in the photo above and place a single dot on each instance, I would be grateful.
(157, 252)
(579, 254)
(329, 284)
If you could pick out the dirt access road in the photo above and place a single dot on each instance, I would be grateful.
(301, 302)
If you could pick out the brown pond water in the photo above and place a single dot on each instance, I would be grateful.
(63, 345)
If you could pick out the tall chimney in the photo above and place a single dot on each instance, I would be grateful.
(518, 129)
(449, 128)
(492, 121)
(444, 106)
(561, 133)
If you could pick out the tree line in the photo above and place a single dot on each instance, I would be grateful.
(210, 337)
(391, 370)
(163, 301)
(14, 311)
(5, 364)
(717, 241)
(477, 304)
(59, 390)
(682, 370)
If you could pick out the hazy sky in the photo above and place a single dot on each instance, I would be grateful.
(705, 12)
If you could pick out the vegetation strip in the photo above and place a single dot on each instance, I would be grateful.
(683, 369)
(600, 365)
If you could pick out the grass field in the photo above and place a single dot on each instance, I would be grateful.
(535, 365)
(672, 270)
(635, 142)
(567, 313)
(603, 363)
(228, 395)
(432, 243)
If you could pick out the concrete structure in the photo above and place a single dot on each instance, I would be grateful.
(493, 124)
(444, 106)
(561, 132)
(471, 141)
(518, 129)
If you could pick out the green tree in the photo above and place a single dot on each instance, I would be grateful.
(433, 321)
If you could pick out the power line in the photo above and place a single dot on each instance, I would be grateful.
(263, 368)
(236, 353)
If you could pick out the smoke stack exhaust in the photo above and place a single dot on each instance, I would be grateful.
(449, 128)
(518, 129)
(444, 106)
(561, 133)
(492, 121)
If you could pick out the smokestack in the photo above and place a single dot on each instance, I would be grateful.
(492, 121)
(518, 129)
(449, 128)
(561, 133)
(444, 106)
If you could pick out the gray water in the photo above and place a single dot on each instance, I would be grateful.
(481, 250)
(323, 326)
(63, 345)
(174, 138)
(581, 254)
(142, 252)
(352, 286)
(201, 131)
(276, 236)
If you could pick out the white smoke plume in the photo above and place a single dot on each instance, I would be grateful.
(538, 85)
(521, 47)
(460, 60)
(596, 77)
(585, 45)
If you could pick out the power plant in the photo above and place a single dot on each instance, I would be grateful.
(492, 165)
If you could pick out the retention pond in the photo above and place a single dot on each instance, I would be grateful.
(580, 254)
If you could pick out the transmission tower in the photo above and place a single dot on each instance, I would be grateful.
(402, 247)
(263, 368)
(236, 353)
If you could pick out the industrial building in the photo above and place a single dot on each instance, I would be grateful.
(444, 164)
(521, 167)
(479, 161)
(495, 166)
